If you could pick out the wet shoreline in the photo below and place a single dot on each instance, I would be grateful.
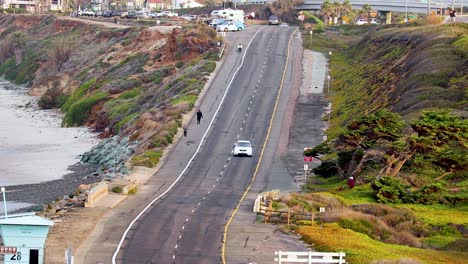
(39, 158)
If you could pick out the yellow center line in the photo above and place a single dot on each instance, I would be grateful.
(223, 249)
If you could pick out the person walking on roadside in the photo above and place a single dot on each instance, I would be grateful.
(185, 131)
(199, 116)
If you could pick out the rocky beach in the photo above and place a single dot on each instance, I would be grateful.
(39, 159)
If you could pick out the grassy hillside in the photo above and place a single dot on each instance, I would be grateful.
(119, 81)
(399, 128)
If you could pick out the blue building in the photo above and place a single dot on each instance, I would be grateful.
(27, 233)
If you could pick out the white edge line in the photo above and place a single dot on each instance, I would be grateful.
(114, 256)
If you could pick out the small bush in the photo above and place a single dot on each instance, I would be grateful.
(79, 111)
(130, 94)
(117, 189)
(186, 98)
(326, 169)
(78, 94)
(179, 64)
(148, 159)
(389, 190)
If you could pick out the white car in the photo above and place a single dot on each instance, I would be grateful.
(87, 12)
(362, 21)
(242, 147)
(231, 26)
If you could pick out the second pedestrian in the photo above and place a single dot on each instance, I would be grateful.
(199, 116)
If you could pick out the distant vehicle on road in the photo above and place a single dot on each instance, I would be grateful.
(231, 26)
(142, 15)
(107, 13)
(362, 21)
(88, 12)
(216, 22)
(273, 20)
(374, 21)
(128, 14)
(116, 13)
(168, 14)
(242, 148)
(189, 17)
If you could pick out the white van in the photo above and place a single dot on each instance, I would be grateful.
(229, 14)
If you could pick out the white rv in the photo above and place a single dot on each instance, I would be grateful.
(230, 14)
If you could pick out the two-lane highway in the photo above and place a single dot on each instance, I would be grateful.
(187, 225)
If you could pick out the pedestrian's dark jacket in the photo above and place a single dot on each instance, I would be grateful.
(199, 114)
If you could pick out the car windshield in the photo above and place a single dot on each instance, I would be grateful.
(243, 144)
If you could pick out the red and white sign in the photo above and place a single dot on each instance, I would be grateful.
(7, 250)
(308, 159)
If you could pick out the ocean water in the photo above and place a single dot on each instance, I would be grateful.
(34, 147)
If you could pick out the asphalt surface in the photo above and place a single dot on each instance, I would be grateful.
(186, 225)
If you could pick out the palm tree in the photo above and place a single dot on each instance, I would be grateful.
(346, 7)
(326, 10)
(366, 8)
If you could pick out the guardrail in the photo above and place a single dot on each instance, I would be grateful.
(310, 257)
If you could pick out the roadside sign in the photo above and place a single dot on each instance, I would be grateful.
(308, 159)
(7, 250)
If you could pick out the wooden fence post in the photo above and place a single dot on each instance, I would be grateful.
(312, 219)
(289, 215)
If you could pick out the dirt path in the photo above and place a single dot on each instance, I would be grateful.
(88, 21)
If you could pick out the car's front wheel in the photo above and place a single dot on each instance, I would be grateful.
(239, 29)
(226, 29)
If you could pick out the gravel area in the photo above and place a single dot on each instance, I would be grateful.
(46, 192)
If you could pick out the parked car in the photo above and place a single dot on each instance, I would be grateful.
(273, 20)
(116, 13)
(87, 12)
(128, 14)
(107, 13)
(362, 21)
(99, 13)
(153, 14)
(203, 18)
(216, 22)
(242, 148)
(169, 14)
(231, 26)
(374, 21)
(142, 15)
(189, 17)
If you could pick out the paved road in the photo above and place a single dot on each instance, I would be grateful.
(186, 225)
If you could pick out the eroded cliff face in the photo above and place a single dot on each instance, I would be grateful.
(132, 82)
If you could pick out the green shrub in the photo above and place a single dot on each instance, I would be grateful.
(124, 121)
(209, 66)
(130, 94)
(179, 64)
(326, 169)
(133, 190)
(78, 94)
(117, 189)
(148, 159)
(186, 98)
(79, 111)
(357, 225)
(389, 190)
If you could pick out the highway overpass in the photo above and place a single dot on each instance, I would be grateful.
(412, 6)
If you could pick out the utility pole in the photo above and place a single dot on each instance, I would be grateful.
(4, 202)
(406, 11)
(428, 7)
